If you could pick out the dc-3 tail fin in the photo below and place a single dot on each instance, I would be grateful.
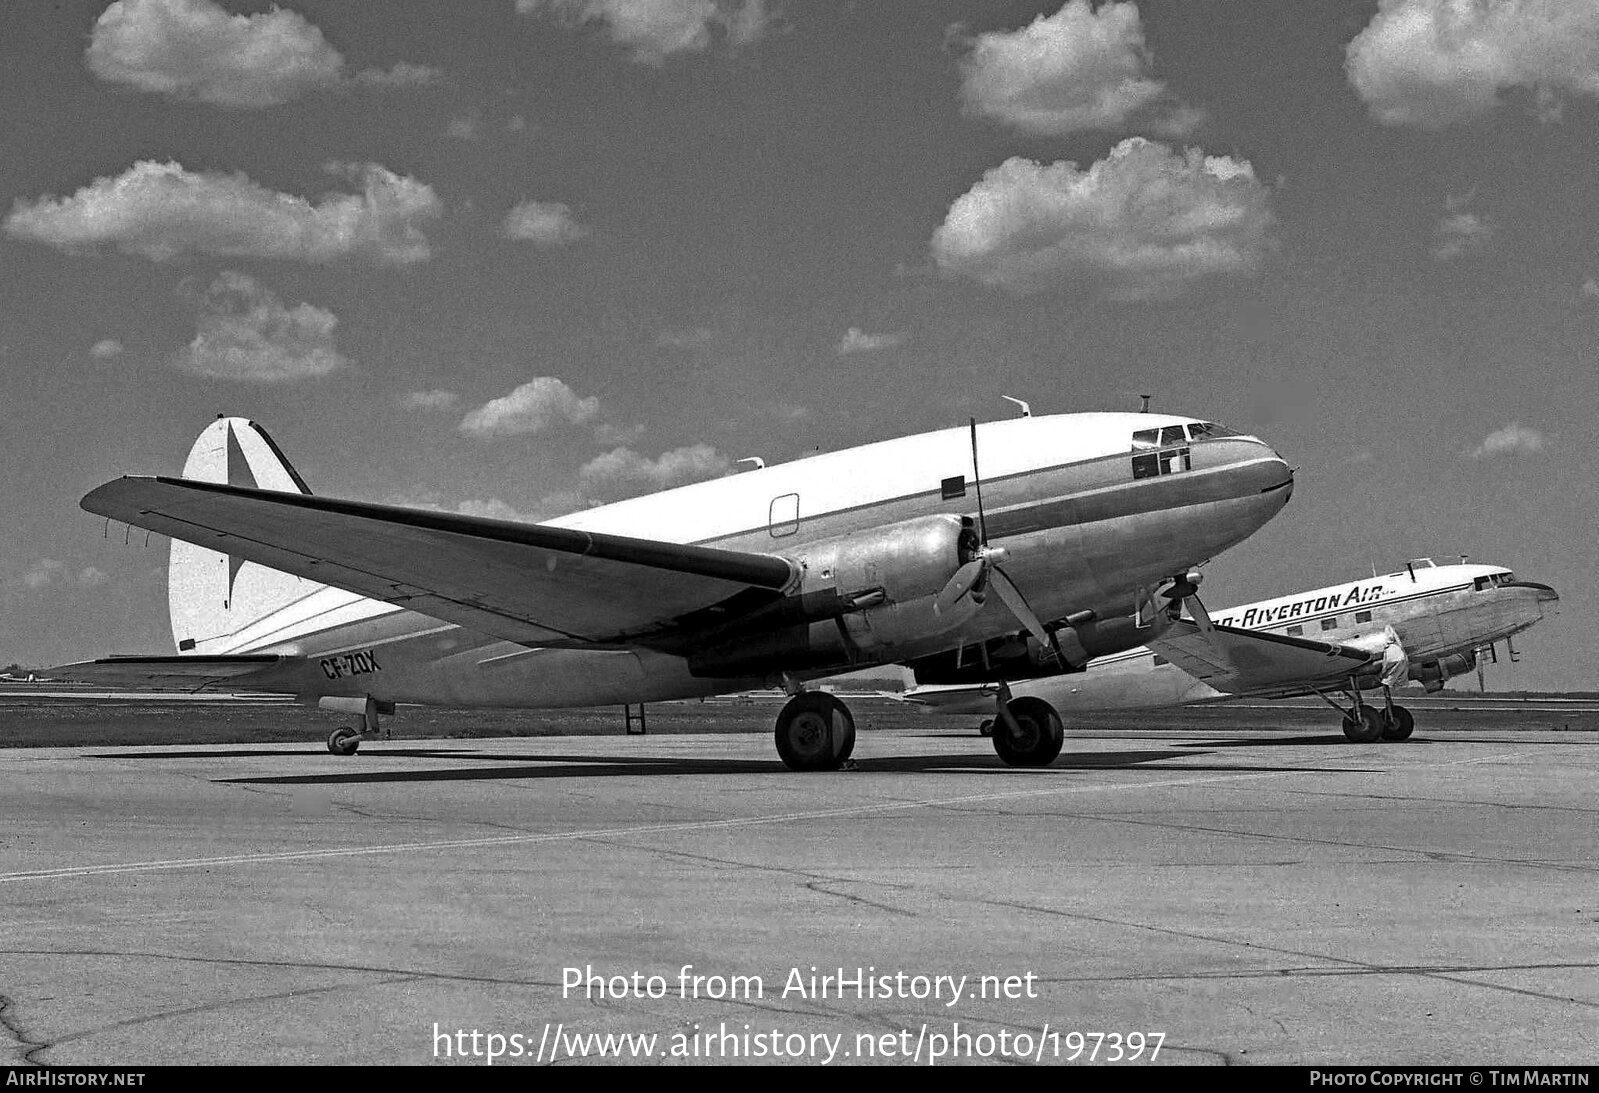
(214, 598)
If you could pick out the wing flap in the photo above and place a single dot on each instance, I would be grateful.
(529, 583)
(1243, 662)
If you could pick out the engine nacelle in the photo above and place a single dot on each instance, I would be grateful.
(1432, 674)
(893, 564)
(860, 598)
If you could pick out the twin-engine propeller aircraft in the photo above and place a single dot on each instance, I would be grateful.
(775, 576)
(1424, 624)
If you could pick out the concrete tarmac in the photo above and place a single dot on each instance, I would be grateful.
(1243, 897)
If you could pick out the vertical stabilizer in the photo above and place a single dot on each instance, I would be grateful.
(214, 597)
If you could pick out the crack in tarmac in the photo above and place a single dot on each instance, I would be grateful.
(1366, 967)
(23, 1040)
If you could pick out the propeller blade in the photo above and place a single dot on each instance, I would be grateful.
(1024, 613)
(968, 580)
(1197, 610)
(977, 485)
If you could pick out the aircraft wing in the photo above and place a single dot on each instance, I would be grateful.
(1247, 662)
(527, 583)
(181, 673)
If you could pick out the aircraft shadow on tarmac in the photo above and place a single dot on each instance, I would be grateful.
(577, 765)
(1336, 739)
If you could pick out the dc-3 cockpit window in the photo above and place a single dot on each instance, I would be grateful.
(1493, 580)
(1160, 451)
(1209, 430)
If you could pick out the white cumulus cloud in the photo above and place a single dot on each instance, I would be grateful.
(1432, 63)
(430, 400)
(1079, 69)
(624, 471)
(656, 29)
(543, 223)
(161, 210)
(1141, 223)
(50, 573)
(196, 49)
(105, 349)
(529, 408)
(1511, 440)
(1459, 234)
(856, 340)
(246, 333)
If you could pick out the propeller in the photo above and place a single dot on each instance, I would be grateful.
(972, 580)
(1395, 661)
(1186, 590)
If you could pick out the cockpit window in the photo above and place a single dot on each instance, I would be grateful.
(1209, 430)
(1160, 451)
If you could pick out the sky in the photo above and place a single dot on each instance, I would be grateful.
(515, 257)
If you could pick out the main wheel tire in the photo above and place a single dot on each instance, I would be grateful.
(1037, 737)
(847, 747)
(344, 741)
(1399, 726)
(814, 732)
(1367, 729)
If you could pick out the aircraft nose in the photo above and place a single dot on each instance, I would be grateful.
(1285, 473)
(1546, 598)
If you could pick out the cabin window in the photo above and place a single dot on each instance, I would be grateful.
(783, 516)
(952, 488)
(1295, 631)
(1362, 616)
(1330, 624)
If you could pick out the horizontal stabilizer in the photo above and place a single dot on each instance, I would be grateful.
(1241, 662)
(184, 673)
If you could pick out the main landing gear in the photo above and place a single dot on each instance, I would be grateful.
(815, 732)
(1027, 731)
(1365, 724)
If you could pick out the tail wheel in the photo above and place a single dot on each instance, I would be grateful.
(344, 741)
(1398, 725)
(814, 732)
(1037, 737)
(1365, 729)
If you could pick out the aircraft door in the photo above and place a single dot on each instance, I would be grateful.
(783, 516)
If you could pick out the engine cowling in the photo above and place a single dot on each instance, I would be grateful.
(894, 564)
(860, 598)
(1432, 674)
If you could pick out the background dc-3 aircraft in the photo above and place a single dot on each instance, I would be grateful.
(1425, 623)
(872, 555)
